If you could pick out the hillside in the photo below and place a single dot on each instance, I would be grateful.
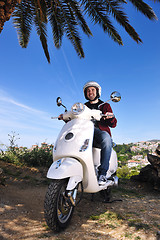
(136, 216)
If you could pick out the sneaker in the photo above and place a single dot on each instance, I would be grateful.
(102, 180)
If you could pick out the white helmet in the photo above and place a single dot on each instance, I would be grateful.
(92, 84)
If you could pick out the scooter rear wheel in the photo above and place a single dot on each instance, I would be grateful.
(58, 209)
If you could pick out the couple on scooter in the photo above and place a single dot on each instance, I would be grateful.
(102, 133)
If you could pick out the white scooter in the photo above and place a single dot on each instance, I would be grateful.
(75, 164)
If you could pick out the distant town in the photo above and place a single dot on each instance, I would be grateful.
(141, 149)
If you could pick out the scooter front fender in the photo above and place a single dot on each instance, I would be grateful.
(66, 168)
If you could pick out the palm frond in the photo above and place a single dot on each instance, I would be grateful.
(41, 4)
(98, 12)
(117, 11)
(79, 17)
(144, 8)
(70, 26)
(41, 30)
(22, 20)
(67, 16)
(56, 20)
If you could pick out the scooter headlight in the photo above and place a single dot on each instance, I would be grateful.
(77, 108)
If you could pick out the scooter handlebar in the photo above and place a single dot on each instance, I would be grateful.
(54, 117)
(108, 114)
(87, 114)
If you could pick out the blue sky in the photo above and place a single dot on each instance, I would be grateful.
(29, 85)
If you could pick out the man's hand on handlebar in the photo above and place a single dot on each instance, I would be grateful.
(108, 115)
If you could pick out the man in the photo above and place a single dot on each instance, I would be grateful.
(102, 133)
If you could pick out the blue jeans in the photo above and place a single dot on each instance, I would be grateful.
(103, 140)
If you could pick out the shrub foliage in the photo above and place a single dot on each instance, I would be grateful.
(38, 157)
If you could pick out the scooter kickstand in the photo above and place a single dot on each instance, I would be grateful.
(92, 197)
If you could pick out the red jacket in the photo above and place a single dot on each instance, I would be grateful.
(104, 125)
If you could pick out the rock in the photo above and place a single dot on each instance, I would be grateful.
(150, 173)
(155, 162)
(158, 151)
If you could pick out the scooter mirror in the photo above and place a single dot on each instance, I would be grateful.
(115, 96)
(59, 101)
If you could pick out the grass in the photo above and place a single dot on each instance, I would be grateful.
(107, 216)
(127, 192)
(94, 217)
(138, 224)
(128, 235)
(137, 238)
(45, 226)
(111, 226)
(113, 220)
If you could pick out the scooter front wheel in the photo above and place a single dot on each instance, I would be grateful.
(58, 209)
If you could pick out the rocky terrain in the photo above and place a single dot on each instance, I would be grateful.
(133, 213)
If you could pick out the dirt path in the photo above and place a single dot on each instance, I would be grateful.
(137, 216)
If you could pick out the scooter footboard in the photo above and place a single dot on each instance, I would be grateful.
(66, 168)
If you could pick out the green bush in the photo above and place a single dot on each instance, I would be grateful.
(10, 157)
(126, 173)
(38, 157)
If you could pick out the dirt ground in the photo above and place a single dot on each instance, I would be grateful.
(134, 212)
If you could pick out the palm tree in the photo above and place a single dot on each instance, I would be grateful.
(6, 9)
(67, 17)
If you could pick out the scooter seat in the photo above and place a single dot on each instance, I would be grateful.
(97, 145)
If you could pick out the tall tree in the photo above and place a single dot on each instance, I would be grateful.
(67, 17)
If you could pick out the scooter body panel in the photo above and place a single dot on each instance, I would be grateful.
(73, 137)
(64, 168)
